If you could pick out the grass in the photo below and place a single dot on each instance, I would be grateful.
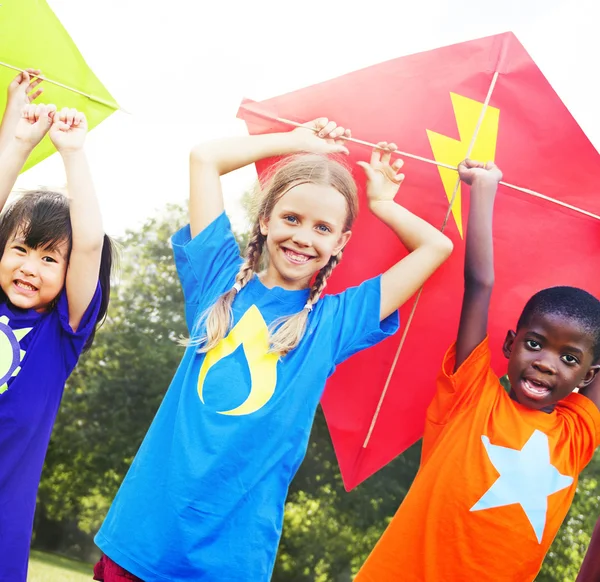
(45, 567)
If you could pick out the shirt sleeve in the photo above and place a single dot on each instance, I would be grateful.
(583, 419)
(206, 265)
(456, 390)
(354, 315)
(75, 340)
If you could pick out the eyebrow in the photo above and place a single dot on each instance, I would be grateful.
(53, 249)
(320, 220)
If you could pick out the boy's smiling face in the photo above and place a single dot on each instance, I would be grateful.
(548, 358)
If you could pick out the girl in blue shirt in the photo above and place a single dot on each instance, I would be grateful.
(204, 497)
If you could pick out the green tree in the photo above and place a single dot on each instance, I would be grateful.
(113, 395)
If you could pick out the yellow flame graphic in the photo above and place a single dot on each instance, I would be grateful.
(252, 333)
(451, 151)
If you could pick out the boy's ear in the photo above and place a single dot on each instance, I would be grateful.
(590, 376)
(508, 343)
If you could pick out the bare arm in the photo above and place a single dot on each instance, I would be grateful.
(210, 161)
(12, 159)
(32, 124)
(590, 569)
(68, 135)
(428, 247)
(479, 257)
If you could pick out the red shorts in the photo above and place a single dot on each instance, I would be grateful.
(107, 571)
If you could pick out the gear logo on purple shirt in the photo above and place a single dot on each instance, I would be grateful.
(11, 354)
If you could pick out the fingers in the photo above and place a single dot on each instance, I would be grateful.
(382, 153)
(322, 126)
(368, 169)
(68, 116)
(468, 163)
(79, 119)
(328, 129)
(377, 151)
(39, 113)
(397, 165)
(31, 94)
(25, 78)
(387, 153)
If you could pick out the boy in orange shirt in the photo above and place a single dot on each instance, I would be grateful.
(498, 472)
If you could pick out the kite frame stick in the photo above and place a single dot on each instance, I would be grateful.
(414, 307)
(436, 163)
(114, 106)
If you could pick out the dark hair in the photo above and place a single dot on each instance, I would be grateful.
(569, 302)
(43, 218)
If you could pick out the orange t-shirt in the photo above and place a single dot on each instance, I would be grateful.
(496, 481)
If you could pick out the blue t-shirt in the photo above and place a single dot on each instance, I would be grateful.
(204, 497)
(38, 352)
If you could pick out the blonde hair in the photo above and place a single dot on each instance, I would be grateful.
(286, 332)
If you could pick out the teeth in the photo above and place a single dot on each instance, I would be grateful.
(25, 285)
(536, 386)
(296, 257)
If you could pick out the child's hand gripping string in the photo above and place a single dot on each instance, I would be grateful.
(479, 255)
(428, 247)
(22, 91)
(68, 134)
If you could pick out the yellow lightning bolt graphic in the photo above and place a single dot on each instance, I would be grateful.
(451, 151)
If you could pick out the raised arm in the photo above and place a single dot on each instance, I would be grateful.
(22, 90)
(68, 135)
(479, 256)
(428, 247)
(31, 127)
(210, 161)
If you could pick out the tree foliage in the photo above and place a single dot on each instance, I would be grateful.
(113, 395)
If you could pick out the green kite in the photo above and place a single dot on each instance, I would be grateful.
(31, 36)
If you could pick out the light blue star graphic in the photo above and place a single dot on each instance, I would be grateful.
(526, 477)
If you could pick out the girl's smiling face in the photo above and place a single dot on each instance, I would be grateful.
(305, 229)
(32, 278)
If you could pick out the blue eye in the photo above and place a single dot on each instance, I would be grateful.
(291, 219)
(323, 228)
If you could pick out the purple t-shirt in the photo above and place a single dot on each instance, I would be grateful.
(38, 352)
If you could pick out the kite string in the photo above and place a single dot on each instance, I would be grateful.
(436, 163)
(414, 307)
(91, 97)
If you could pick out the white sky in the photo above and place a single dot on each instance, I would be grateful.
(182, 67)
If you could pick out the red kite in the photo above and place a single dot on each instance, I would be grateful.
(486, 98)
